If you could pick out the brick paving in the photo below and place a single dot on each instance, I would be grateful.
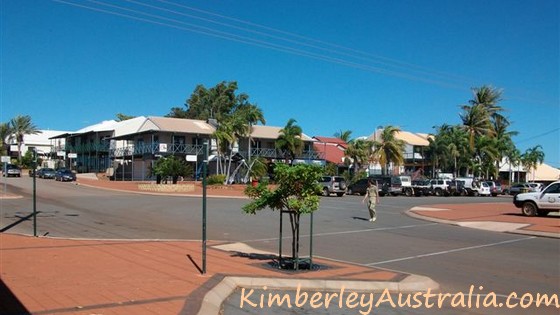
(60, 276)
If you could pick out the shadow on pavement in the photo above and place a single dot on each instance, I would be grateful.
(10, 305)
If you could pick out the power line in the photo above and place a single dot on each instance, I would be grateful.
(539, 135)
(246, 40)
(399, 64)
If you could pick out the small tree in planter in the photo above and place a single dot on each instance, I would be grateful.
(297, 192)
(171, 166)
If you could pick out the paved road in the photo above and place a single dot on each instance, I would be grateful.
(455, 257)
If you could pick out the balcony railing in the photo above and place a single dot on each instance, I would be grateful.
(154, 148)
(278, 154)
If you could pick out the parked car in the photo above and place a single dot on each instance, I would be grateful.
(495, 188)
(536, 186)
(333, 185)
(440, 186)
(65, 175)
(388, 185)
(421, 187)
(48, 173)
(539, 202)
(12, 170)
(483, 189)
(358, 187)
(520, 188)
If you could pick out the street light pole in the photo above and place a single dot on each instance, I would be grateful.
(34, 165)
(204, 166)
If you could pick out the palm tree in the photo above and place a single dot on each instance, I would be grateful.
(289, 141)
(253, 115)
(343, 135)
(388, 148)
(359, 151)
(476, 122)
(5, 133)
(488, 98)
(503, 137)
(514, 158)
(532, 158)
(21, 126)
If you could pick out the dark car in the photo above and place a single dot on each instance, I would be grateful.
(46, 172)
(64, 175)
(358, 187)
(520, 188)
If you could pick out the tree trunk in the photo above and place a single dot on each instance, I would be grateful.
(294, 222)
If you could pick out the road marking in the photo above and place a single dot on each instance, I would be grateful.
(450, 251)
(345, 232)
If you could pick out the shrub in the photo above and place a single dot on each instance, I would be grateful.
(217, 179)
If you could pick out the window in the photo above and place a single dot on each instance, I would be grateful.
(553, 189)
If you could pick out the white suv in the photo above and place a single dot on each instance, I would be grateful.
(539, 202)
(333, 185)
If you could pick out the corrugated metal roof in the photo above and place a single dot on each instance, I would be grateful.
(182, 125)
(106, 125)
(544, 172)
(129, 126)
(271, 132)
(331, 152)
(411, 138)
(333, 140)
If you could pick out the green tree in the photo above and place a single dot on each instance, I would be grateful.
(343, 135)
(503, 137)
(476, 122)
(389, 149)
(215, 102)
(5, 134)
(252, 114)
(123, 117)
(297, 193)
(359, 152)
(532, 158)
(172, 166)
(290, 141)
(21, 126)
(514, 159)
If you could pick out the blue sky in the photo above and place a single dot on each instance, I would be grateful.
(331, 65)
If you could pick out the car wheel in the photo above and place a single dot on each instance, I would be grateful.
(326, 192)
(494, 195)
(408, 192)
(350, 191)
(340, 194)
(529, 209)
(437, 192)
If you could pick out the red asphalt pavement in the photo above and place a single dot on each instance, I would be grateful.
(59, 276)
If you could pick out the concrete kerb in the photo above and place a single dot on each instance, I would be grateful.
(213, 300)
(411, 213)
(160, 194)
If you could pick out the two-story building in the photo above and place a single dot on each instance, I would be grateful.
(127, 149)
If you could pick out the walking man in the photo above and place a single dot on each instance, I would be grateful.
(372, 195)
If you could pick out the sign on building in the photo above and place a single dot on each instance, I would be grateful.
(163, 147)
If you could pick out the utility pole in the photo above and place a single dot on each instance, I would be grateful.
(204, 167)
(34, 165)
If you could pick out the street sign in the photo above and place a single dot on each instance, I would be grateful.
(60, 153)
(5, 159)
(72, 155)
(163, 147)
(191, 158)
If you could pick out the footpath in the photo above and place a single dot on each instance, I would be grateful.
(61, 276)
